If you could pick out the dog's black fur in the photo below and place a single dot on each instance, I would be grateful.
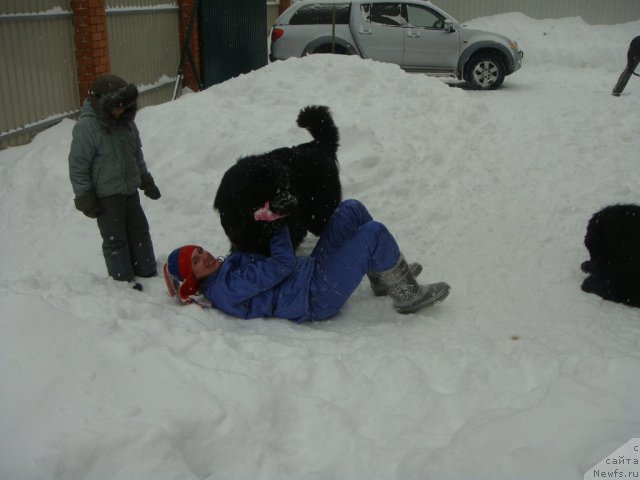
(307, 173)
(613, 242)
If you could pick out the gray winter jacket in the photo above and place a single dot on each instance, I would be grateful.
(105, 156)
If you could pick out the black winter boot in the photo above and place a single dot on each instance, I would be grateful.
(622, 82)
(408, 296)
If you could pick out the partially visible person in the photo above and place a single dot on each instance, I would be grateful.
(106, 168)
(633, 58)
(304, 288)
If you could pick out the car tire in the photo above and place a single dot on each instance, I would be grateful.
(326, 48)
(484, 71)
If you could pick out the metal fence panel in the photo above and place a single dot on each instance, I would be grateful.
(144, 46)
(111, 4)
(38, 81)
(234, 38)
(594, 12)
(32, 6)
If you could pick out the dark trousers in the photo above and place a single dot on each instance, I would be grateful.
(126, 242)
(633, 59)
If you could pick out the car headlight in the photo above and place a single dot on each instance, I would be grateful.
(513, 45)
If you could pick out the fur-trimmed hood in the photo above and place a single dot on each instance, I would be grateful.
(110, 91)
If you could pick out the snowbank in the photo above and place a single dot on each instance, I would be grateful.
(517, 375)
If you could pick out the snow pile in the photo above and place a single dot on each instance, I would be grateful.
(566, 42)
(517, 375)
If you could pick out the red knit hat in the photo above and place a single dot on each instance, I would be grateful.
(178, 275)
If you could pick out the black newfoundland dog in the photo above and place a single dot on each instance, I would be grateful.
(613, 241)
(301, 184)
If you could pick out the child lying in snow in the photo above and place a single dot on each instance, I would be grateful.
(304, 288)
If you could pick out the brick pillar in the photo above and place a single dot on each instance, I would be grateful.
(92, 48)
(284, 4)
(186, 7)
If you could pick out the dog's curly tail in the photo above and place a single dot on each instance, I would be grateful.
(318, 120)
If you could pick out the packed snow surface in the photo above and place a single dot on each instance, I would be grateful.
(517, 375)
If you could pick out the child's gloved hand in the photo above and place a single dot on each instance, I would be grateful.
(149, 187)
(88, 204)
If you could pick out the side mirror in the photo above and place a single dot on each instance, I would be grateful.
(449, 26)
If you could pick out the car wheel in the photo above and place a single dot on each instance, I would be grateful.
(326, 48)
(484, 72)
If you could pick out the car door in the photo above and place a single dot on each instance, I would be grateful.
(428, 45)
(378, 30)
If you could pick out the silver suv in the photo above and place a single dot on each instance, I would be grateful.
(414, 34)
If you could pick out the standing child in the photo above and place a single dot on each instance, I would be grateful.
(106, 168)
(282, 285)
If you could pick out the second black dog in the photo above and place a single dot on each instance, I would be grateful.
(613, 242)
(301, 182)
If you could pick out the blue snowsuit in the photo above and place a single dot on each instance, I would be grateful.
(304, 288)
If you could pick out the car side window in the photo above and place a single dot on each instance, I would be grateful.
(418, 16)
(321, 14)
(389, 14)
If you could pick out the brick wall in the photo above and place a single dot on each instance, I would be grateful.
(92, 52)
(283, 5)
(186, 7)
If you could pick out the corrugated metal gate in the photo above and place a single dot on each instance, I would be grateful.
(144, 46)
(233, 38)
(38, 82)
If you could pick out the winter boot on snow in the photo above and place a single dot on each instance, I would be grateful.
(622, 82)
(408, 296)
(379, 288)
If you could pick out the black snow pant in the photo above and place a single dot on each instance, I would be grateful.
(633, 59)
(126, 242)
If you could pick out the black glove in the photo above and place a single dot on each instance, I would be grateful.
(283, 203)
(88, 204)
(149, 187)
